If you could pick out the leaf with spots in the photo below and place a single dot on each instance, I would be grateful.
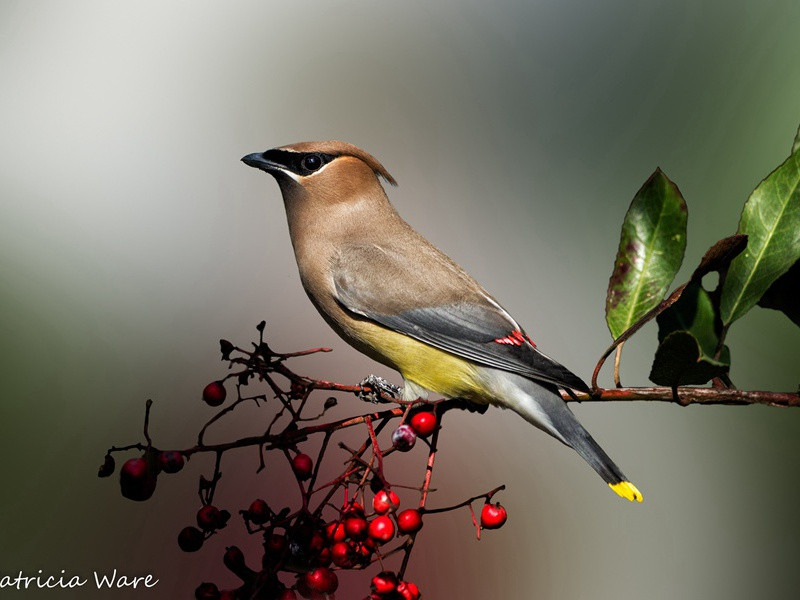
(771, 220)
(650, 253)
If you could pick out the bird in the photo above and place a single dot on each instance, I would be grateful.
(394, 296)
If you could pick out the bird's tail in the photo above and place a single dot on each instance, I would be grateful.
(583, 443)
(542, 405)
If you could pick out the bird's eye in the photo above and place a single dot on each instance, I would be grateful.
(311, 162)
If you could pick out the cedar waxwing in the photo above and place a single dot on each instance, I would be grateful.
(394, 296)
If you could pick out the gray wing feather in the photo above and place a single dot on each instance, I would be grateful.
(439, 304)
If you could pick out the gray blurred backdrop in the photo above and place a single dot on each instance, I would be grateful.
(132, 239)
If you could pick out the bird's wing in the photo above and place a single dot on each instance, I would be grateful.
(428, 297)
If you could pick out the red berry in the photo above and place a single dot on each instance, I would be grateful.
(137, 479)
(224, 517)
(363, 550)
(275, 545)
(376, 484)
(493, 516)
(214, 393)
(287, 595)
(381, 529)
(404, 438)
(303, 466)
(206, 591)
(322, 580)
(385, 501)
(323, 558)
(305, 591)
(408, 590)
(409, 521)
(317, 541)
(370, 544)
(384, 583)
(424, 423)
(190, 539)
(353, 508)
(335, 532)
(234, 560)
(258, 512)
(342, 555)
(170, 461)
(355, 527)
(208, 517)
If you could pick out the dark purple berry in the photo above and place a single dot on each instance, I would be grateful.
(404, 438)
(170, 461)
(190, 539)
(137, 479)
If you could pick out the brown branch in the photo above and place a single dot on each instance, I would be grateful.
(685, 397)
(292, 436)
(688, 395)
(289, 437)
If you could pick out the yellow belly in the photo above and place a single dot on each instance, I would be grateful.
(429, 367)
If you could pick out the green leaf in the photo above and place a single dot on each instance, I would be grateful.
(680, 361)
(784, 294)
(771, 220)
(693, 312)
(650, 253)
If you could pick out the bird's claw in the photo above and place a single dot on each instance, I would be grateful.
(372, 384)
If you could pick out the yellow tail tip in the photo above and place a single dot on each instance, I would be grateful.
(627, 490)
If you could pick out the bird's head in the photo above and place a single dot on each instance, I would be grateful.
(331, 171)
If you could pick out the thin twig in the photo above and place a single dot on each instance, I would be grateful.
(488, 496)
(376, 449)
(617, 358)
(147, 406)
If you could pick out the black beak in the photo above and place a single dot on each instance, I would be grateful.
(258, 161)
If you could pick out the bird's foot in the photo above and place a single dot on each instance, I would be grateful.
(372, 384)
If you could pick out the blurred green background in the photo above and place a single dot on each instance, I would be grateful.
(133, 239)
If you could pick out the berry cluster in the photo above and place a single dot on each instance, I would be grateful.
(386, 586)
(306, 548)
(138, 476)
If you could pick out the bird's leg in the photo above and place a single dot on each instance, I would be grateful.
(372, 384)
